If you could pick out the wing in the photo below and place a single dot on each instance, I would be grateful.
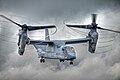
(40, 42)
(75, 41)
(58, 42)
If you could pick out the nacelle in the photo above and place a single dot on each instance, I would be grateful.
(23, 41)
(93, 34)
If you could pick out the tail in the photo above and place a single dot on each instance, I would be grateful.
(47, 36)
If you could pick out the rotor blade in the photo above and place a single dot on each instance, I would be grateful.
(30, 28)
(80, 26)
(108, 29)
(10, 20)
(94, 16)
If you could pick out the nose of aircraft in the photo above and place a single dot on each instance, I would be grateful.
(72, 55)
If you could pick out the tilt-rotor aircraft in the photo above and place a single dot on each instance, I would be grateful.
(57, 49)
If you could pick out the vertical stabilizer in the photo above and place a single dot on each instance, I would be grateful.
(47, 36)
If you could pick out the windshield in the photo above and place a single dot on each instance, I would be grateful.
(68, 49)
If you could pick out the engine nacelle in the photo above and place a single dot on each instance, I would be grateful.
(21, 51)
(93, 34)
(23, 41)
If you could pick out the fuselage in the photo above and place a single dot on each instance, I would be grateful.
(57, 52)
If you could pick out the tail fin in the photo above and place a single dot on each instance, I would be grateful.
(47, 36)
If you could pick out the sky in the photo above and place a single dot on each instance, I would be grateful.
(104, 64)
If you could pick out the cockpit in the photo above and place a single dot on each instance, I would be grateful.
(68, 50)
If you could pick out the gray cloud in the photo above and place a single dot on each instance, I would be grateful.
(104, 65)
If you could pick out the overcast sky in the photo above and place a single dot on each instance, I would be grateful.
(103, 65)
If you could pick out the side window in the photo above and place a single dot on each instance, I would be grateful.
(49, 48)
(64, 50)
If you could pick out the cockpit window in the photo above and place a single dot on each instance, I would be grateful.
(68, 49)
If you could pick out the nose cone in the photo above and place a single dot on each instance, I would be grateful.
(72, 55)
